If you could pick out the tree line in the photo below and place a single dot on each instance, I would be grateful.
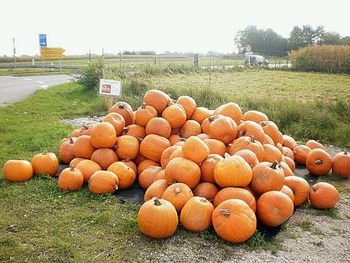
(268, 42)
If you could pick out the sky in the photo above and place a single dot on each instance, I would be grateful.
(159, 25)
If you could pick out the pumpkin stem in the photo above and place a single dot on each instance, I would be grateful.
(156, 202)
(125, 129)
(177, 190)
(274, 165)
(242, 132)
(211, 118)
(225, 212)
(45, 152)
(72, 169)
(203, 200)
(318, 162)
(71, 140)
(263, 123)
(143, 106)
(345, 152)
(121, 106)
(252, 138)
(115, 147)
(85, 127)
(127, 160)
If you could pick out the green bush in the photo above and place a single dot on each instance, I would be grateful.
(325, 58)
(90, 76)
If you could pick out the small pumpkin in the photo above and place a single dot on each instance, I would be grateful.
(223, 129)
(157, 218)
(208, 166)
(130, 164)
(286, 169)
(83, 147)
(195, 149)
(206, 190)
(116, 120)
(70, 179)
(286, 190)
(103, 135)
(341, 164)
(178, 194)
(135, 130)
(127, 147)
(145, 164)
(66, 151)
(175, 114)
(312, 144)
(188, 103)
(274, 208)
(290, 163)
(87, 168)
(190, 128)
(232, 171)
(252, 129)
(319, 162)
(75, 162)
(235, 193)
(267, 140)
(104, 157)
(144, 114)
(300, 188)
(231, 110)
(270, 128)
(272, 154)
(249, 156)
(157, 99)
(156, 189)
(200, 113)
(248, 143)
(86, 129)
(165, 157)
(234, 221)
(125, 110)
(323, 195)
(153, 145)
(159, 126)
(17, 170)
(215, 146)
(300, 153)
(254, 115)
(45, 163)
(174, 138)
(102, 182)
(196, 214)
(287, 152)
(126, 175)
(146, 178)
(289, 142)
(160, 175)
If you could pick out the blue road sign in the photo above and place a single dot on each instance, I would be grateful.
(42, 40)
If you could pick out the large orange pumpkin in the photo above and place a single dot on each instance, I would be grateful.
(341, 164)
(127, 147)
(104, 157)
(17, 170)
(248, 143)
(312, 144)
(45, 163)
(184, 171)
(300, 188)
(66, 151)
(70, 179)
(196, 214)
(178, 194)
(156, 189)
(231, 110)
(125, 174)
(116, 120)
(200, 113)
(235, 193)
(190, 128)
(103, 135)
(144, 114)
(135, 130)
(234, 221)
(157, 218)
(319, 162)
(175, 114)
(267, 177)
(252, 129)
(153, 145)
(274, 208)
(125, 110)
(208, 166)
(87, 168)
(195, 149)
(223, 129)
(254, 115)
(232, 171)
(206, 190)
(157, 99)
(323, 195)
(83, 147)
(188, 103)
(146, 178)
(300, 153)
(271, 129)
(159, 126)
(249, 156)
(215, 146)
(102, 182)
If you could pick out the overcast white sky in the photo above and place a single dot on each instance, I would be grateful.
(159, 25)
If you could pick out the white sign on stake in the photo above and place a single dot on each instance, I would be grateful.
(111, 88)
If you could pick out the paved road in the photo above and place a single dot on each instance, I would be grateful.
(13, 88)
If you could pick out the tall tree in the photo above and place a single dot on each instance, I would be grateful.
(305, 36)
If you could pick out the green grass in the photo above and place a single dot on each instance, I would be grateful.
(305, 225)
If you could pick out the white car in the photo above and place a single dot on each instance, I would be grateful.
(256, 60)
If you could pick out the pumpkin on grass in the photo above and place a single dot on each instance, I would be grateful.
(196, 214)
(66, 151)
(300, 188)
(206, 190)
(195, 149)
(323, 195)
(234, 221)
(235, 193)
(103, 135)
(232, 171)
(156, 189)
(83, 147)
(102, 182)
(88, 168)
(125, 174)
(70, 179)
(178, 194)
(341, 164)
(274, 208)
(17, 170)
(104, 157)
(157, 218)
(45, 163)
(319, 162)
(267, 177)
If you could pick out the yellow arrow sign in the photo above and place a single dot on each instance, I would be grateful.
(49, 50)
(52, 56)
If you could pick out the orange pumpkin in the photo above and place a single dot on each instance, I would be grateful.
(157, 99)
(200, 113)
(289, 142)
(206, 190)
(300, 153)
(223, 129)
(286, 169)
(153, 145)
(190, 128)
(149, 215)
(125, 174)
(274, 208)
(232, 171)
(235, 193)
(130, 164)
(146, 178)
(145, 164)
(271, 129)
(254, 115)
(290, 163)
(286, 190)
(341, 164)
(158, 126)
(127, 147)
(102, 182)
(267, 177)
(125, 110)
(300, 188)
(312, 144)
(271, 154)
(319, 162)
(324, 195)
(66, 151)
(70, 179)
(116, 120)
(196, 214)
(287, 152)
(252, 129)
(267, 140)
(45, 163)
(174, 138)
(144, 114)
(188, 103)
(195, 149)
(184, 171)
(178, 194)
(75, 162)
(234, 221)
(248, 143)
(249, 156)
(204, 136)
(86, 129)
(156, 189)
(135, 130)
(175, 114)
(87, 168)
(160, 175)
(75, 133)
(104, 157)
(231, 110)
(17, 170)
(207, 168)
(83, 147)
(165, 157)
(215, 146)
(103, 135)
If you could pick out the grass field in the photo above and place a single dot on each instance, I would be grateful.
(38, 222)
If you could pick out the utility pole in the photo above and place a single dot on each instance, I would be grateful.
(14, 51)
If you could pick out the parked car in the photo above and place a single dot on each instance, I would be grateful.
(251, 60)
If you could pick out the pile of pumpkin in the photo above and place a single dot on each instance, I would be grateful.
(212, 167)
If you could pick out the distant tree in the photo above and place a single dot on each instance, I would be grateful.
(344, 41)
(305, 36)
(330, 38)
